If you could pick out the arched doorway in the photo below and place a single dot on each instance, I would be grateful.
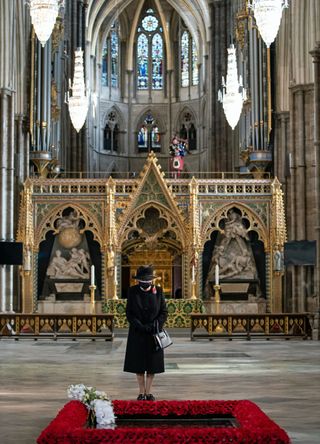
(153, 238)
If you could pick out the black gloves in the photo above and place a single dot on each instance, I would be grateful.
(149, 328)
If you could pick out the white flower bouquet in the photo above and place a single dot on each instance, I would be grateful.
(97, 402)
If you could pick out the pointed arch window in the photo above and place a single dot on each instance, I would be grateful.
(111, 133)
(192, 137)
(107, 138)
(157, 58)
(110, 58)
(142, 59)
(185, 38)
(150, 52)
(188, 60)
(188, 131)
(195, 68)
(148, 135)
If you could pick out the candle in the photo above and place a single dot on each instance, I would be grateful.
(193, 274)
(217, 274)
(92, 274)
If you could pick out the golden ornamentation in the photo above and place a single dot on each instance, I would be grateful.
(154, 217)
(278, 227)
(149, 194)
(255, 222)
(48, 222)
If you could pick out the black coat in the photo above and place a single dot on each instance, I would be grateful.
(143, 308)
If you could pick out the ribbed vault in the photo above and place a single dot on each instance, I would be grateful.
(101, 14)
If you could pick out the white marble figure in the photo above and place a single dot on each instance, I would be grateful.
(277, 260)
(232, 253)
(80, 259)
(57, 265)
(77, 267)
(70, 221)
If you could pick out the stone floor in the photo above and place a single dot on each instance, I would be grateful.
(282, 377)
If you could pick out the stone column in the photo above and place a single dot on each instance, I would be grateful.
(316, 61)
(7, 192)
(131, 94)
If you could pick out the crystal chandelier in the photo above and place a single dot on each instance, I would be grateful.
(43, 17)
(78, 103)
(233, 94)
(268, 17)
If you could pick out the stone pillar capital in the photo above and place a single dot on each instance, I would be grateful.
(316, 53)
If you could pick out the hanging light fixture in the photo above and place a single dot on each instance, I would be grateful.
(78, 103)
(233, 94)
(268, 17)
(43, 17)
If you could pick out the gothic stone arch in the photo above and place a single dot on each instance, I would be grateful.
(255, 223)
(47, 223)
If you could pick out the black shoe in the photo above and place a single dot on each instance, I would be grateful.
(150, 397)
(141, 397)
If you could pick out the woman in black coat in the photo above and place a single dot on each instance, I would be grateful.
(145, 305)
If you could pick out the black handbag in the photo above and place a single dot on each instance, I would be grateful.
(161, 338)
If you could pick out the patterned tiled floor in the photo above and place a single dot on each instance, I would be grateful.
(282, 377)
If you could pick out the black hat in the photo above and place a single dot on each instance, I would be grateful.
(145, 273)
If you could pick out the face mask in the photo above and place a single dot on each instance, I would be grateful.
(144, 285)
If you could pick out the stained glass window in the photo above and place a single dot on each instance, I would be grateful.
(114, 58)
(150, 23)
(143, 138)
(148, 135)
(189, 59)
(155, 139)
(150, 52)
(195, 69)
(110, 58)
(185, 59)
(142, 56)
(104, 77)
(157, 58)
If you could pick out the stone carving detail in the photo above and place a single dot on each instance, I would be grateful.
(278, 260)
(71, 220)
(232, 252)
(153, 226)
(76, 267)
(68, 229)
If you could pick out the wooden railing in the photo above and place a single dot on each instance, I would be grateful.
(55, 326)
(285, 325)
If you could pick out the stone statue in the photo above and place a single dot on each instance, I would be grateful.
(70, 221)
(80, 258)
(110, 261)
(57, 265)
(234, 229)
(77, 267)
(277, 260)
(68, 228)
(232, 253)
(237, 265)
